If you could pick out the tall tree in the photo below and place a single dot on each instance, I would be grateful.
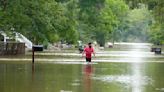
(157, 8)
(101, 18)
(138, 24)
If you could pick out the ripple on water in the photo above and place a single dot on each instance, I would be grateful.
(76, 62)
(127, 80)
(64, 91)
(160, 89)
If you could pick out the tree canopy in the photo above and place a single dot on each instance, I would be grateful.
(49, 21)
(156, 9)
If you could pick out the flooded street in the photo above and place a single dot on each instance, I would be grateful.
(129, 68)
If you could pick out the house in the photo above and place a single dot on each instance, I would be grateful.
(13, 45)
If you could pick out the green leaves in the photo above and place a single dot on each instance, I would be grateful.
(101, 18)
(156, 8)
(157, 34)
(49, 21)
(41, 19)
(137, 22)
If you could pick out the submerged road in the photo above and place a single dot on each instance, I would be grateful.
(128, 68)
(125, 53)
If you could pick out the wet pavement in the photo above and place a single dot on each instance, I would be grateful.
(133, 68)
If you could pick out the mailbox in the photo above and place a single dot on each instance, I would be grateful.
(37, 47)
(157, 51)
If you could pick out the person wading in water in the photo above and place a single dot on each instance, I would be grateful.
(88, 51)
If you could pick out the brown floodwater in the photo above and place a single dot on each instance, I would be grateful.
(127, 70)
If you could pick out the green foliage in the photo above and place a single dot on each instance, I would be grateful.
(100, 19)
(68, 31)
(40, 20)
(49, 21)
(157, 8)
(137, 25)
(156, 5)
(157, 34)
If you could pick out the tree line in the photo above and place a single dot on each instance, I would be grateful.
(156, 10)
(49, 21)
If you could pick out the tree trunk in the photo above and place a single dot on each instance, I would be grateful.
(4, 4)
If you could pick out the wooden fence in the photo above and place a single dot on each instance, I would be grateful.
(12, 48)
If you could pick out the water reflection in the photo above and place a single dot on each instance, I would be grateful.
(137, 85)
(33, 71)
(138, 81)
(88, 70)
(135, 80)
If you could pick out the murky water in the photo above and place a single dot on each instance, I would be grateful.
(133, 70)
